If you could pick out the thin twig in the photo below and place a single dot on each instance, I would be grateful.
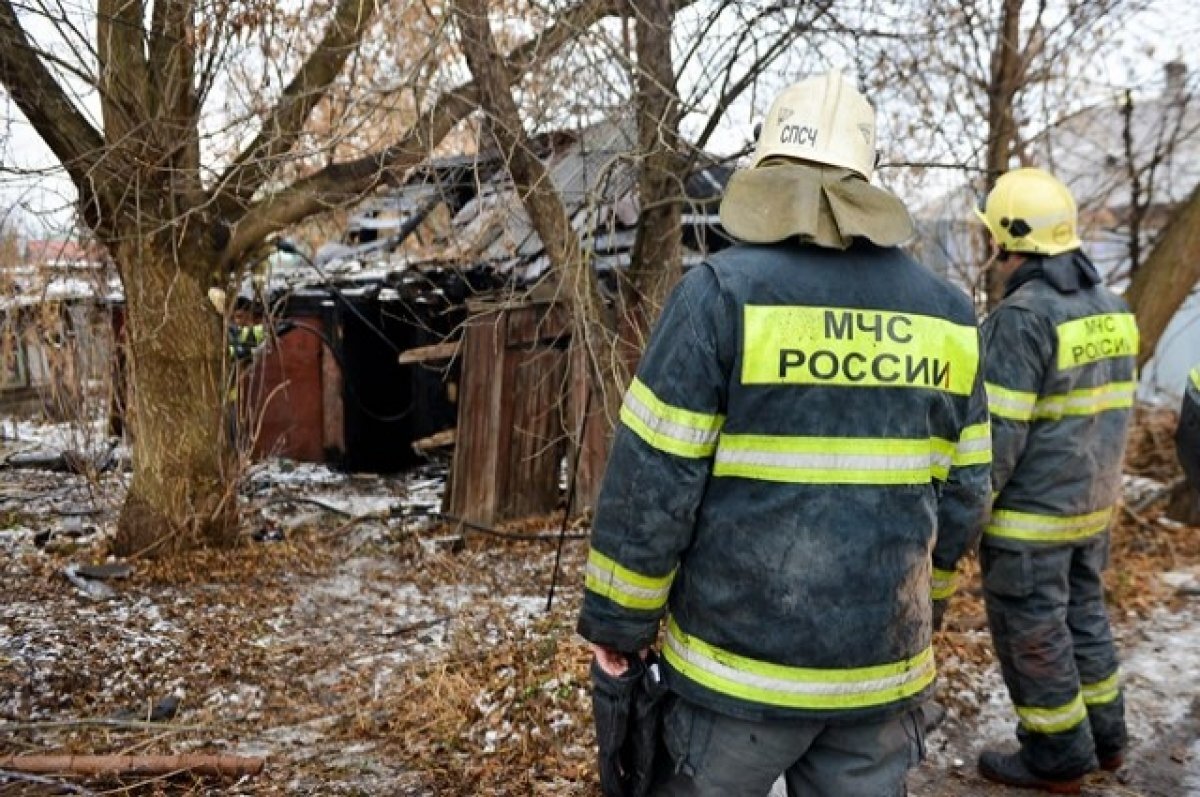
(24, 777)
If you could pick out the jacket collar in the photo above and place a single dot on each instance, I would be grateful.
(1068, 272)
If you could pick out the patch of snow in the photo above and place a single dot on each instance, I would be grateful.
(1138, 487)
(283, 472)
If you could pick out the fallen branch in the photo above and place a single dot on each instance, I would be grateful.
(100, 722)
(230, 766)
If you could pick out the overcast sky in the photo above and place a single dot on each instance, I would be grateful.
(42, 196)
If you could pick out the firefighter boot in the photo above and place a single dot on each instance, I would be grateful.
(1009, 769)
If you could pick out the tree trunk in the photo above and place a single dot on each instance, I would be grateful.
(183, 492)
(1169, 274)
(590, 317)
(656, 261)
(1007, 77)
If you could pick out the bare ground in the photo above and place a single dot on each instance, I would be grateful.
(369, 652)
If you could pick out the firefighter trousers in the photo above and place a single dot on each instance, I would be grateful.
(1050, 628)
(714, 755)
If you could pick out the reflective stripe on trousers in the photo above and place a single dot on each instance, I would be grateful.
(1033, 527)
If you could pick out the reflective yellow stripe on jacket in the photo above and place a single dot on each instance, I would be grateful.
(849, 460)
(668, 428)
(1015, 405)
(1086, 401)
(625, 587)
(1053, 720)
(796, 687)
(1195, 377)
(1018, 405)
(974, 446)
(942, 584)
(1033, 527)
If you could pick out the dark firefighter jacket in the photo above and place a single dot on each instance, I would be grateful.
(1187, 436)
(802, 422)
(1060, 360)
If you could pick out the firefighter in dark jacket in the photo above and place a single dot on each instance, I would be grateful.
(1187, 436)
(1060, 353)
(805, 440)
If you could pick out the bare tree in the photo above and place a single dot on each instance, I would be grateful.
(1168, 276)
(983, 80)
(174, 222)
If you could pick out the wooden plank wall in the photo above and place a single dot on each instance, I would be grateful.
(510, 430)
(594, 433)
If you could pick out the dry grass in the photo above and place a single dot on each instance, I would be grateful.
(350, 699)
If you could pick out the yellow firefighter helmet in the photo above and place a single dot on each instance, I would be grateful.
(824, 120)
(1031, 211)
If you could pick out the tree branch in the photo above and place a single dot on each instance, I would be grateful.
(285, 123)
(54, 116)
(124, 75)
(338, 183)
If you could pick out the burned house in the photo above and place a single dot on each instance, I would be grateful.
(435, 330)
(56, 342)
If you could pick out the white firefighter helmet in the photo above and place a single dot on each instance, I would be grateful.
(217, 297)
(823, 120)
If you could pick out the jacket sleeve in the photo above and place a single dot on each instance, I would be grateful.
(1018, 352)
(966, 494)
(659, 466)
(1187, 436)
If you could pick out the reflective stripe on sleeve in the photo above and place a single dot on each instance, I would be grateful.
(625, 587)
(974, 446)
(942, 584)
(1103, 692)
(834, 460)
(1053, 720)
(1014, 405)
(1032, 527)
(668, 428)
(1086, 401)
(795, 687)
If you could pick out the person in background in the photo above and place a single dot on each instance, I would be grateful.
(245, 333)
(1060, 356)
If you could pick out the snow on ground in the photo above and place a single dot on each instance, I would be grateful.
(1160, 665)
(283, 658)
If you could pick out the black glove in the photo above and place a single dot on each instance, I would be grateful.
(939, 613)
